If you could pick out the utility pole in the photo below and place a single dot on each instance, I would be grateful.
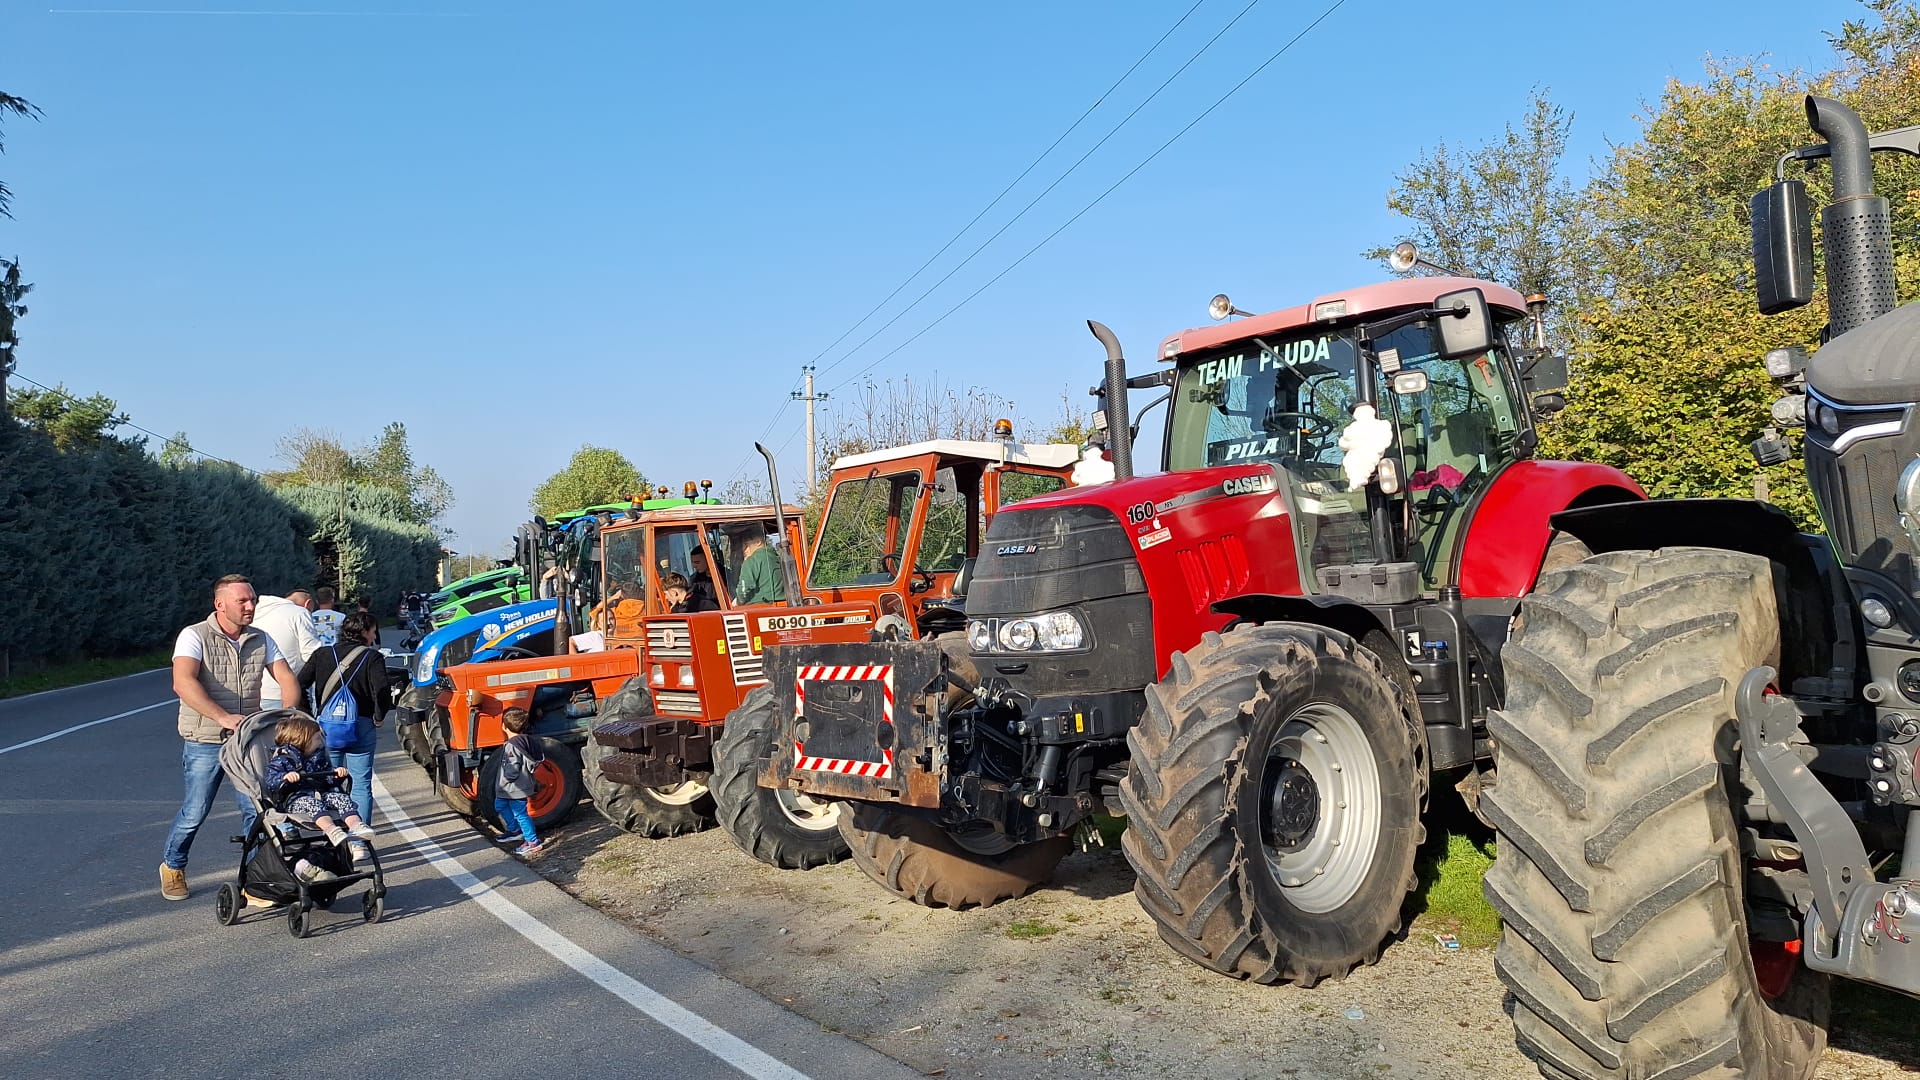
(813, 451)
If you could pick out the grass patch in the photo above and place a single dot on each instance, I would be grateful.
(1450, 867)
(1109, 828)
(1031, 928)
(57, 676)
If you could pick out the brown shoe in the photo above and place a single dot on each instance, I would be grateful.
(173, 883)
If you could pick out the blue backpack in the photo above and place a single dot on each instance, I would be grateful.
(339, 713)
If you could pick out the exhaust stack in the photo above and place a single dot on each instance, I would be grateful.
(1119, 420)
(1857, 224)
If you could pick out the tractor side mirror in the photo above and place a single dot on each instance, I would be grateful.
(1547, 372)
(1782, 247)
(1546, 404)
(1466, 327)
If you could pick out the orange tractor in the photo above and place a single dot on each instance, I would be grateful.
(621, 558)
(898, 533)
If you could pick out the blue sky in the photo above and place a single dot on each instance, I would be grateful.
(522, 227)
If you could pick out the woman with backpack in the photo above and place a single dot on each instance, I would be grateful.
(346, 685)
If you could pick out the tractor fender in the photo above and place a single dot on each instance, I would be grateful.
(1507, 535)
(1333, 612)
(1820, 632)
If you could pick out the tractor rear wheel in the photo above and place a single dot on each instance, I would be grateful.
(782, 828)
(1619, 877)
(651, 812)
(1273, 803)
(915, 858)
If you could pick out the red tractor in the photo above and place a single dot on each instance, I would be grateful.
(1259, 657)
(1708, 743)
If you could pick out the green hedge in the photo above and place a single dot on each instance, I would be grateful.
(106, 551)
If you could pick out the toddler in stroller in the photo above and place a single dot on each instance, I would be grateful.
(293, 855)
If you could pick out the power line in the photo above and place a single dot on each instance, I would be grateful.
(1032, 165)
(1048, 190)
(955, 238)
(165, 440)
(1268, 62)
(747, 458)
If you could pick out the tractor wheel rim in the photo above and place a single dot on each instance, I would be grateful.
(681, 794)
(1320, 809)
(549, 782)
(809, 813)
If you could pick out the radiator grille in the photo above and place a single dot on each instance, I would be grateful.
(669, 639)
(684, 702)
(749, 667)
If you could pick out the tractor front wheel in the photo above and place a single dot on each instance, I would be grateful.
(782, 828)
(1273, 803)
(556, 793)
(917, 859)
(651, 812)
(1619, 878)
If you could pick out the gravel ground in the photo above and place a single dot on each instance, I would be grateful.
(1071, 981)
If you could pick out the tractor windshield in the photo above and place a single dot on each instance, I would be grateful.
(1282, 402)
(866, 526)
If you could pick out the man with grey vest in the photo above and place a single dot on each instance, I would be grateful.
(218, 668)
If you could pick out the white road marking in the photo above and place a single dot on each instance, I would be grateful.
(81, 727)
(670, 1014)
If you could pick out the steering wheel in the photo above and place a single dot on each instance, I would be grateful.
(1310, 430)
(515, 652)
(890, 563)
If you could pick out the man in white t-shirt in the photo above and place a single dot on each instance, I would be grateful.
(326, 617)
(289, 622)
(219, 667)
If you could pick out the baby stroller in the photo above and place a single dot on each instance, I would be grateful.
(270, 850)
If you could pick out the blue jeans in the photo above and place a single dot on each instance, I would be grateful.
(201, 763)
(513, 814)
(358, 760)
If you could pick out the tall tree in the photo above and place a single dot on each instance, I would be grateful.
(389, 464)
(12, 292)
(593, 475)
(177, 452)
(12, 106)
(1669, 384)
(317, 458)
(1503, 211)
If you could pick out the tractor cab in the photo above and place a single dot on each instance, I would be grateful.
(1280, 390)
(902, 525)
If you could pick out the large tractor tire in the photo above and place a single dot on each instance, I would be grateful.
(1619, 875)
(781, 827)
(1273, 803)
(554, 799)
(651, 812)
(915, 858)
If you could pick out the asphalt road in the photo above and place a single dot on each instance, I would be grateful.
(479, 969)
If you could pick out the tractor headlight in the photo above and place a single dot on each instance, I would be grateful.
(980, 636)
(423, 667)
(1053, 631)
